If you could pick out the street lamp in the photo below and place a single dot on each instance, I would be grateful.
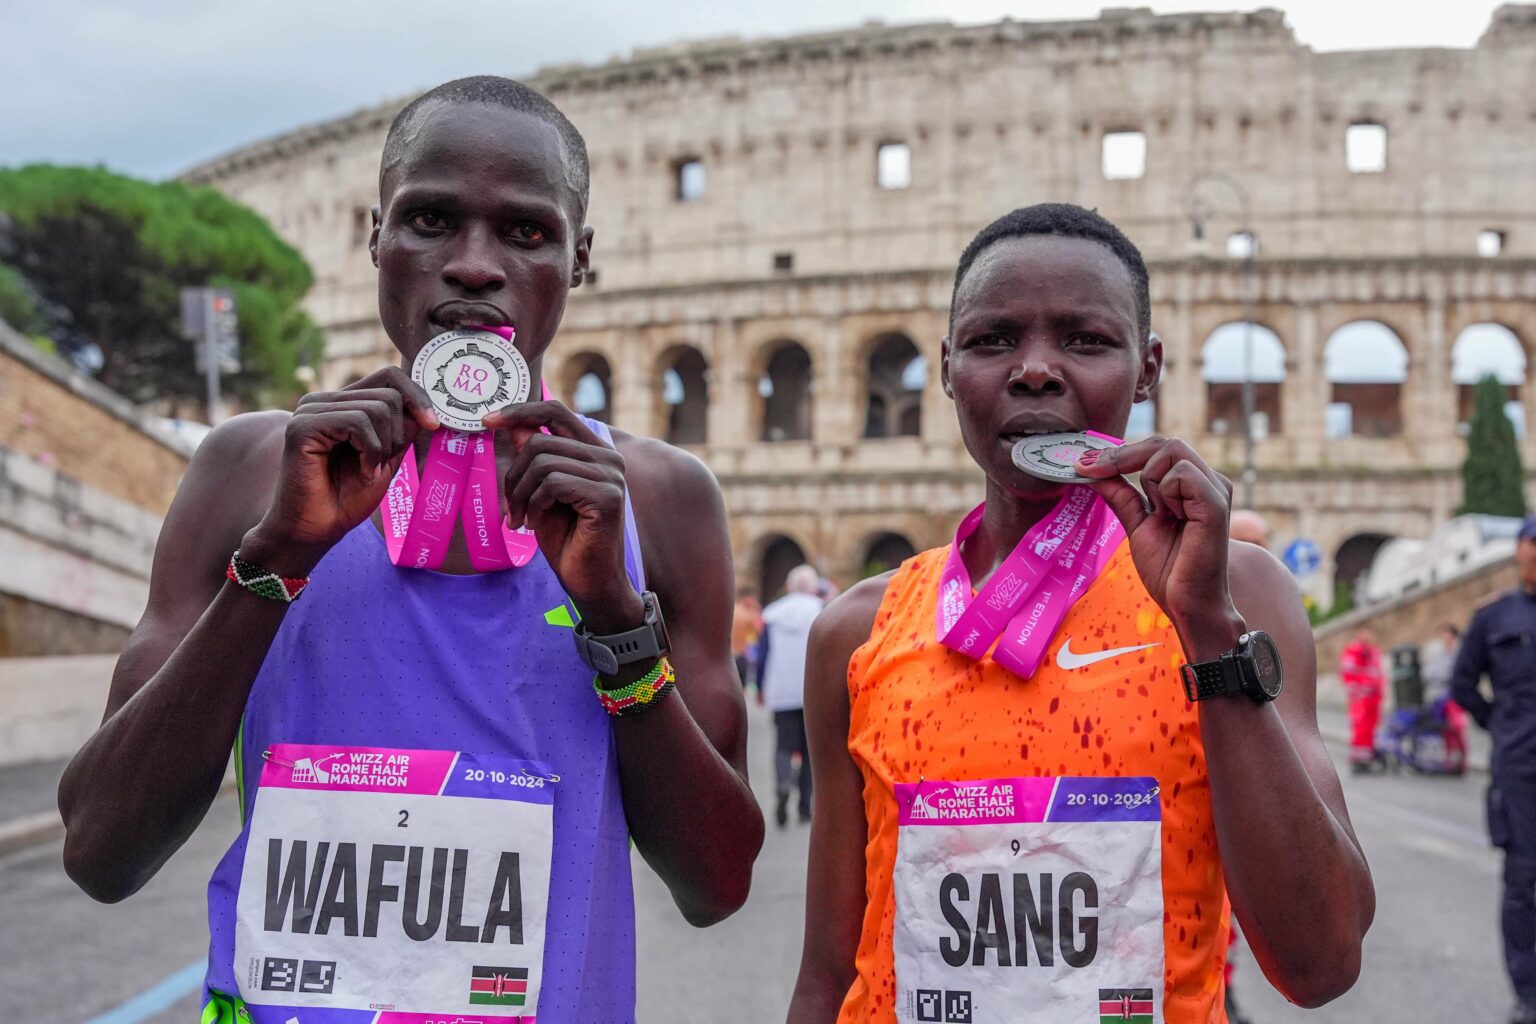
(1199, 211)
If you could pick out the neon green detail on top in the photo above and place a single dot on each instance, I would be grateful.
(222, 1009)
(560, 616)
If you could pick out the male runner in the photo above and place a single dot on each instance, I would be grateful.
(499, 885)
(1060, 845)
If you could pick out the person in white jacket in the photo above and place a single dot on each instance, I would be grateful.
(781, 681)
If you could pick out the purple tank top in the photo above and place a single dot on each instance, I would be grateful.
(382, 657)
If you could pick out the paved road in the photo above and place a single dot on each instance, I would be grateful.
(1431, 957)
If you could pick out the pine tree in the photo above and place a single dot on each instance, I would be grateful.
(1492, 478)
(89, 257)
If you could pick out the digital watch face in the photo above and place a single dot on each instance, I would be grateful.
(1266, 663)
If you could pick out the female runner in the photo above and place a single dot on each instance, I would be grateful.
(1011, 910)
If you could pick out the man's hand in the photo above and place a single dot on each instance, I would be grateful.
(340, 451)
(567, 486)
(1178, 533)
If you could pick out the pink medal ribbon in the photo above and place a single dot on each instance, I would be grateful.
(459, 484)
(1028, 596)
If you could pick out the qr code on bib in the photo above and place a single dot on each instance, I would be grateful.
(948, 1006)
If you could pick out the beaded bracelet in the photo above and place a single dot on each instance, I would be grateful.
(263, 583)
(645, 692)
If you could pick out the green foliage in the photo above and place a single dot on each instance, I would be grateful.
(18, 306)
(1492, 478)
(108, 255)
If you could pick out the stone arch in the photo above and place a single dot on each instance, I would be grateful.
(1222, 367)
(683, 390)
(896, 374)
(784, 390)
(1489, 348)
(1354, 555)
(774, 555)
(884, 552)
(1365, 363)
(586, 385)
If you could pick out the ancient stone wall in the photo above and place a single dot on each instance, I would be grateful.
(84, 482)
(771, 213)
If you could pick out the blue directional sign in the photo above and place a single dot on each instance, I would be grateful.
(1302, 557)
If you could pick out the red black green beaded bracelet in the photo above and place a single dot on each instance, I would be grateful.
(645, 692)
(263, 583)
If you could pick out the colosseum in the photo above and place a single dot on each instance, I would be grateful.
(777, 223)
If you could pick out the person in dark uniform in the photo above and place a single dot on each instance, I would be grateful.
(1501, 643)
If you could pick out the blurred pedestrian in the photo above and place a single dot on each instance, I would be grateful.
(1247, 525)
(1360, 671)
(1501, 643)
(746, 624)
(1439, 666)
(781, 680)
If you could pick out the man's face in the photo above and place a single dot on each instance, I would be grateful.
(1525, 558)
(478, 225)
(1045, 339)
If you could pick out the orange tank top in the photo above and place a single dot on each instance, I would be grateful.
(919, 710)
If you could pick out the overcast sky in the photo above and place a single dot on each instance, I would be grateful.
(151, 87)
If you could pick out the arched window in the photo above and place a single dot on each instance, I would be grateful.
(588, 386)
(897, 375)
(1353, 559)
(685, 395)
(885, 552)
(780, 554)
(1231, 353)
(1365, 363)
(785, 389)
(1488, 349)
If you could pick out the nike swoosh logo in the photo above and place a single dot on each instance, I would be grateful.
(1068, 659)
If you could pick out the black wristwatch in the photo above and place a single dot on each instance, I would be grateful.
(1253, 670)
(646, 642)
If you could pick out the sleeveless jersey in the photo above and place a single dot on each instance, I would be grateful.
(920, 710)
(380, 657)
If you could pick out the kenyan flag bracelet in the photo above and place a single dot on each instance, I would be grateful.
(263, 583)
(645, 692)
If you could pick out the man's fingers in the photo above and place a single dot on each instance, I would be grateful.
(556, 417)
(417, 405)
(521, 487)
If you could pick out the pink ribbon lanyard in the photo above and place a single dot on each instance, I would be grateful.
(1027, 598)
(460, 483)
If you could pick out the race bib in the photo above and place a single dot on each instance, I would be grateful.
(409, 884)
(1029, 901)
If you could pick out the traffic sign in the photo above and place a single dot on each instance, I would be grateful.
(1302, 557)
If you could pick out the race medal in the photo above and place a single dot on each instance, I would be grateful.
(1054, 456)
(468, 373)
(394, 886)
(1029, 900)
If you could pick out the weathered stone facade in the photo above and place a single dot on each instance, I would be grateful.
(85, 480)
(794, 241)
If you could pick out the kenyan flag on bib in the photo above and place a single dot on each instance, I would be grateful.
(1117, 1005)
(501, 986)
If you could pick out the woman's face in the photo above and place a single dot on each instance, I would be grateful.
(1044, 339)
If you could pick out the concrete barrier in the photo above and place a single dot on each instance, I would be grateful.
(49, 706)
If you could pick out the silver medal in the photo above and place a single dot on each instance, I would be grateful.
(1054, 456)
(468, 373)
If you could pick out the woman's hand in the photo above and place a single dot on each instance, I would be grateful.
(1178, 532)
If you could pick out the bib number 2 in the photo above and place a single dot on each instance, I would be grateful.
(411, 885)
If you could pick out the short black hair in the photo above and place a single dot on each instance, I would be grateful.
(497, 92)
(1066, 221)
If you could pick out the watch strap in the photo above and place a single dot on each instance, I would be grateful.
(607, 654)
(1207, 679)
